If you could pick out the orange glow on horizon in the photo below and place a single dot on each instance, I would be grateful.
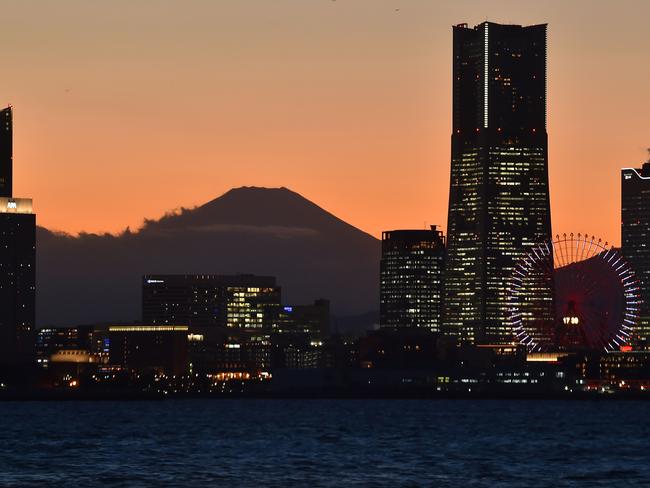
(123, 112)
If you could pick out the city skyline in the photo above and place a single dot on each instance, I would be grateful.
(246, 117)
(323, 243)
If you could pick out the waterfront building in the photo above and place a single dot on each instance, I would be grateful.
(499, 194)
(625, 370)
(149, 348)
(219, 350)
(411, 278)
(635, 240)
(400, 347)
(51, 340)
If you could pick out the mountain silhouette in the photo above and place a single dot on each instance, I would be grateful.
(265, 231)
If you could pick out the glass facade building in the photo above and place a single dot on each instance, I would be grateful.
(411, 274)
(499, 194)
(635, 239)
(238, 301)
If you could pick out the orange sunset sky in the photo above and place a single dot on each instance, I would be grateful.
(130, 108)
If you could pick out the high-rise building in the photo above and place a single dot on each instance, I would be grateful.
(17, 263)
(6, 152)
(635, 239)
(411, 274)
(499, 196)
(238, 301)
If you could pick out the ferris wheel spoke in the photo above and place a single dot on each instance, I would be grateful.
(583, 241)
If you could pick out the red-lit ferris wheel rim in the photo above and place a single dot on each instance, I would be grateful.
(559, 253)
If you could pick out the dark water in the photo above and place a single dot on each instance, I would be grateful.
(326, 443)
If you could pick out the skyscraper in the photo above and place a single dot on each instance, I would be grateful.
(412, 267)
(6, 152)
(17, 262)
(635, 239)
(499, 197)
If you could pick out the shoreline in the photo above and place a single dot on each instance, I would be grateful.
(102, 396)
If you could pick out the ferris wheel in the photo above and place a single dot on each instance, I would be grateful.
(574, 292)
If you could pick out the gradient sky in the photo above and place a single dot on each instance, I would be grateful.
(129, 108)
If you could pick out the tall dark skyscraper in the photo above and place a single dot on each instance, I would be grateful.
(499, 196)
(6, 152)
(412, 267)
(635, 238)
(17, 262)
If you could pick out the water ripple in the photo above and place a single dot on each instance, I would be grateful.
(326, 443)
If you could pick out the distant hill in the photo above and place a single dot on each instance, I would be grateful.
(96, 278)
